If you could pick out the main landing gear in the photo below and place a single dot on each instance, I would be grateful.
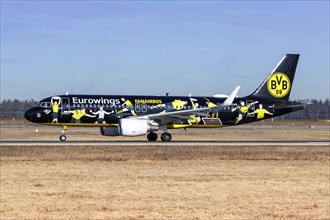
(152, 136)
(63, 136)
(164, 137)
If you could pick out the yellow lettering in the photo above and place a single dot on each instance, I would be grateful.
(148, 101)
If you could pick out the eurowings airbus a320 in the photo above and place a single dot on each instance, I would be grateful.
(140, 115)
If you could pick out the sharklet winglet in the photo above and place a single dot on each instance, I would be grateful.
(232, 96)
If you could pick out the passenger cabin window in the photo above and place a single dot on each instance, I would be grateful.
(144, 107)
(137, 108)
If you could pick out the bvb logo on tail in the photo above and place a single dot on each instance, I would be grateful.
(278, 85)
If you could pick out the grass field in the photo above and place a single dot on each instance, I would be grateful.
(167, 182)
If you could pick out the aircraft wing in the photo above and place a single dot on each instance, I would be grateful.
(186, 114)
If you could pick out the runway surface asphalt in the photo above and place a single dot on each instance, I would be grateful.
(159, 143)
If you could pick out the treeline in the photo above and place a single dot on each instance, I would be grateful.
(317, 110)
(15, 108)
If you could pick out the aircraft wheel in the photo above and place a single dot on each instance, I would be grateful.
(152, 136)
(166, 137)
(62, 137)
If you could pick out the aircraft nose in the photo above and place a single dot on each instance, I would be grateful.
(28, 115)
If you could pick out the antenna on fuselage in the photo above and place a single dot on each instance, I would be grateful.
(166, 94)
(67, 93)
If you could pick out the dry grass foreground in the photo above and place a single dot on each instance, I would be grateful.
(168, 182)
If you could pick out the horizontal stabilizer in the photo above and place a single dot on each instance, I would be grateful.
(295, 105)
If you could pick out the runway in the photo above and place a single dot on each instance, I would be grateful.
(158, 143)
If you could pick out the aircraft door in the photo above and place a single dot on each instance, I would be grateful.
(251, 109)
(65, 104)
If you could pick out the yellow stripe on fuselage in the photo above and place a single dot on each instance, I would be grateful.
(207, 126)
(176, 126)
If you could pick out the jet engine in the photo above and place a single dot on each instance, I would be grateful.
(109, 131)
(136, 127)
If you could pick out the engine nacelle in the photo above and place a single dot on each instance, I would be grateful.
(109, 131)
(136, 127)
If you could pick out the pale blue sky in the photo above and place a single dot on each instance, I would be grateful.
(148, 47)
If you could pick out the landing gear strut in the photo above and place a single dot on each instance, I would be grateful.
(63, 136)
(152, 136)
(166, 137)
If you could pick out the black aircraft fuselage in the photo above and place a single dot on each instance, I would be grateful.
(130, 115)
(141, 105)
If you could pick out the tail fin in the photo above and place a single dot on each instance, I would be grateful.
(279, 82)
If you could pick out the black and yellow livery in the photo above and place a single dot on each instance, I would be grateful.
(141, 115)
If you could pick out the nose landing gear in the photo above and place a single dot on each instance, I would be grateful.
(63, 136)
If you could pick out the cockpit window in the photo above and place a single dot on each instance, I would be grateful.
(45, 104)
